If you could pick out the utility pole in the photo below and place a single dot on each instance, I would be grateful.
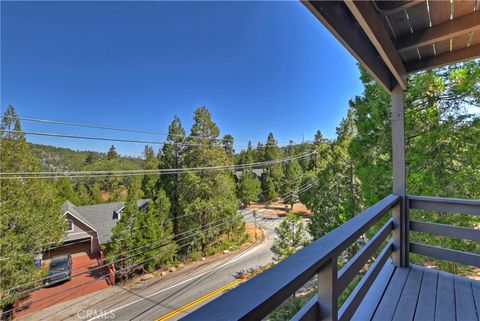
(255, 219)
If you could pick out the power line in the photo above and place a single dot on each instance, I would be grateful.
(122, 140)
(142, 172)
(110, 139)
(104, 127)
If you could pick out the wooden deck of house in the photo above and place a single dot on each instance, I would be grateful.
(420, 294)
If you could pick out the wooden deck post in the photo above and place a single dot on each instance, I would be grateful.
(327, 291)
(400, 211)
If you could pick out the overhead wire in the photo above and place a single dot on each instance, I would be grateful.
(104, 127)
(142, 172)
(124, 140)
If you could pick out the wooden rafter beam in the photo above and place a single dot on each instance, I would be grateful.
(405, 5)
(373, 26)
(445, 59)
(443, 31)
(336, 17)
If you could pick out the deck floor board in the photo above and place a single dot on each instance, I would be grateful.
(426, 299)
(417, 293)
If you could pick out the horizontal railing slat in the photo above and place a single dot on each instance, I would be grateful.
(350, 270)
(351, 304)
(446, 254)
(459, 232)
(445, 205)
(262, 294)
(309, 312)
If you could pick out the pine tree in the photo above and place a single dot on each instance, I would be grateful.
(154, 231)
(318, 139)
(30, 213)
(337, 196)
(123, 237)
(65, 191)
(292, 180)
(83, 195)
(273, 174)
(89, 158)
(227, 143)
(291, 236)
(248, 156)
(96, 194)
(442, 144)
(150, 182)
(249, 187)
(173, 156)
(112, 153)
(207, 197)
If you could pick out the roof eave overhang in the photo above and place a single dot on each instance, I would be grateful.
(358, 25)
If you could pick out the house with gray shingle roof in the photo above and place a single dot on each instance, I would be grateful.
(90, 226)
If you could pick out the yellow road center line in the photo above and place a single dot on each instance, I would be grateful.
(198, 301)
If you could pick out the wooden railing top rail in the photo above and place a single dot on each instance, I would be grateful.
(256, 298)
(445, 205)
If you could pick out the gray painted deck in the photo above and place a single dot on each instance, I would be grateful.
(420, 294)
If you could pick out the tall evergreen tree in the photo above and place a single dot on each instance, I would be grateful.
(318, 139)
(208, 198)
(292, 180)
(248, 156)
(273, 174)
(442, 143)
(65, 191)
(227, 143)
(337, 196)
(154, 232)
(249, 187)
(30, 213)
(173, 156)
(112, 153)
(83, 194)
(96, 194)
(124, 235)
(150, 181)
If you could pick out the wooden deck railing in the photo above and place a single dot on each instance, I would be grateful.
(256, 298)
(445, 205)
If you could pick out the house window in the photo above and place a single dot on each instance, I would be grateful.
(69, 225)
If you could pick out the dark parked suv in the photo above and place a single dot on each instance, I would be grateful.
(59, 270)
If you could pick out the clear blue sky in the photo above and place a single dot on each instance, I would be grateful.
(258, 66)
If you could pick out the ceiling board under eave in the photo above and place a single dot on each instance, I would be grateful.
(439, 11)
(418, 16)
(426, 51)
(463, 7)
(475, 38)
(447, 58)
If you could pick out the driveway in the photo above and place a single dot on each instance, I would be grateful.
(78, 286)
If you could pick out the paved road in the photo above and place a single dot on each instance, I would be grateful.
(157, 298)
